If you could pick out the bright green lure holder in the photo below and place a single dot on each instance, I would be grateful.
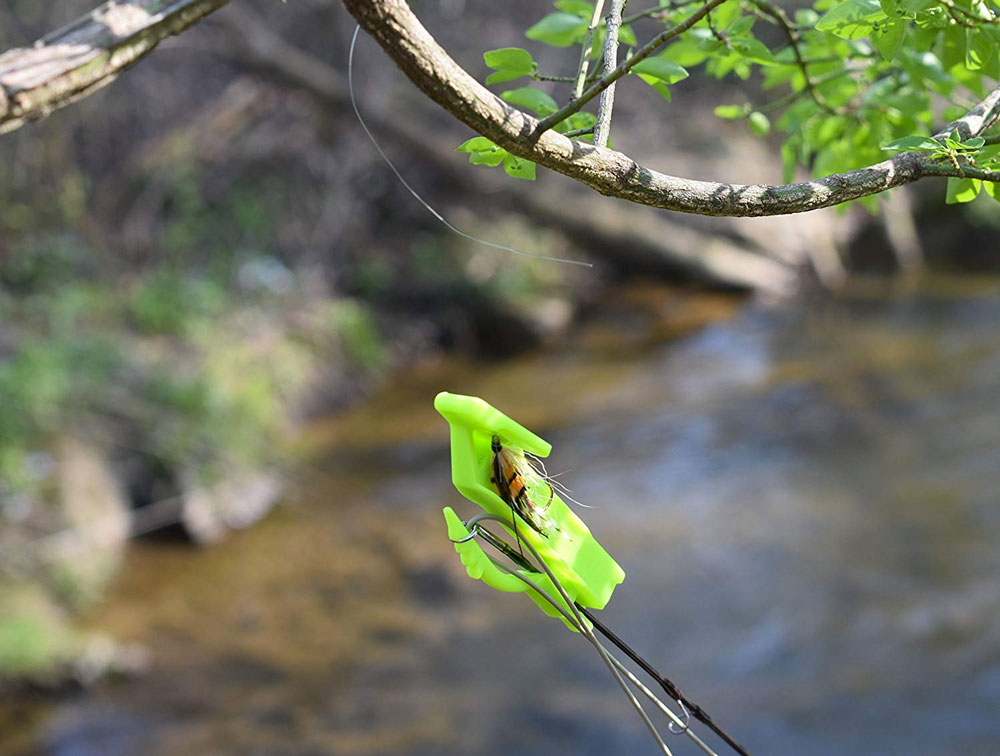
(586, 571)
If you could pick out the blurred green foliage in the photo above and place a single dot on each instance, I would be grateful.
(202, 371)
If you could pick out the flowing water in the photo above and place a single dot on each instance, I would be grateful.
(804, 500)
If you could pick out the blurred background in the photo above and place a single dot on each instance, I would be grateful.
(222, 325)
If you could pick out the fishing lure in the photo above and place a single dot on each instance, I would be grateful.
(585, 569)
(517, 482)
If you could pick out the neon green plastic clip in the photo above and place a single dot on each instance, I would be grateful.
(579, 562)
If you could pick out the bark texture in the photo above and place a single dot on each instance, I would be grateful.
(78, 59)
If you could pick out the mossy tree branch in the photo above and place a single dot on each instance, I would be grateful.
(408, 43)
(70, 63)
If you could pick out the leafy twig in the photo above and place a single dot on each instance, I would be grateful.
(666, 8)
(781, 18)
(627, 65)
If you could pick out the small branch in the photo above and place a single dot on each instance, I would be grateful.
(560, 79)
(641, 54)
(791, 97)
(89, 53)
(991, 139)
(979, 118)
(578, 132)
(934, 168)
(659, 9)
(588, 45)
(602, 129)
(781, 18)
(963, 17)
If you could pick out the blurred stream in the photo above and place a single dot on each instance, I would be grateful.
(803, 498)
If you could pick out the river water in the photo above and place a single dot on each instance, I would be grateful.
(803, 498)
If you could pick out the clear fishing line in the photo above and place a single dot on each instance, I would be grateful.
(411, 190)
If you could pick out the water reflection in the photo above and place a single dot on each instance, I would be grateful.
(803, 502)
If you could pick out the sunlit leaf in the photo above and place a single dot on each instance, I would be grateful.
(510, 59)
(532, 99)
(852, 19)
(626, 35)
(558, 29)
(476, 144)
(519, 167)
(752, 48)
(962, 190)
(978, 49)
(580, 8)
(731, 112)
(888, 38)
(661, 68)
(759, 123)
(914, 143)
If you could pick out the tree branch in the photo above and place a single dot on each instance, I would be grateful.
(625, 238)
(588, 45)
(602, 129)
(70, 63)
(612, 173)
(983, 115)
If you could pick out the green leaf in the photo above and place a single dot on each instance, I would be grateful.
(581, 120)
(498, 77)
(915, 6)
(725, 14)
(510, 59)
(482, 151)
(914, 143)
(488, 157)
(992, 189)
(532, 99)
(978, 49)
(731, 112)
(580, 8)
(789, 159)
(626, 36)
(661, 68)
(741, 26)
(852, 19)
(935, 17)
(759, 123)
(890, 7)
(752, 48)
(888, 38)
(973, 143)
(509, 63)
(658, 85)
(476, 144)
(558, 29)
(806, 17)
(519, 167)
(951, 48)
(685, 52)
(926, 68)
(962, 190)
